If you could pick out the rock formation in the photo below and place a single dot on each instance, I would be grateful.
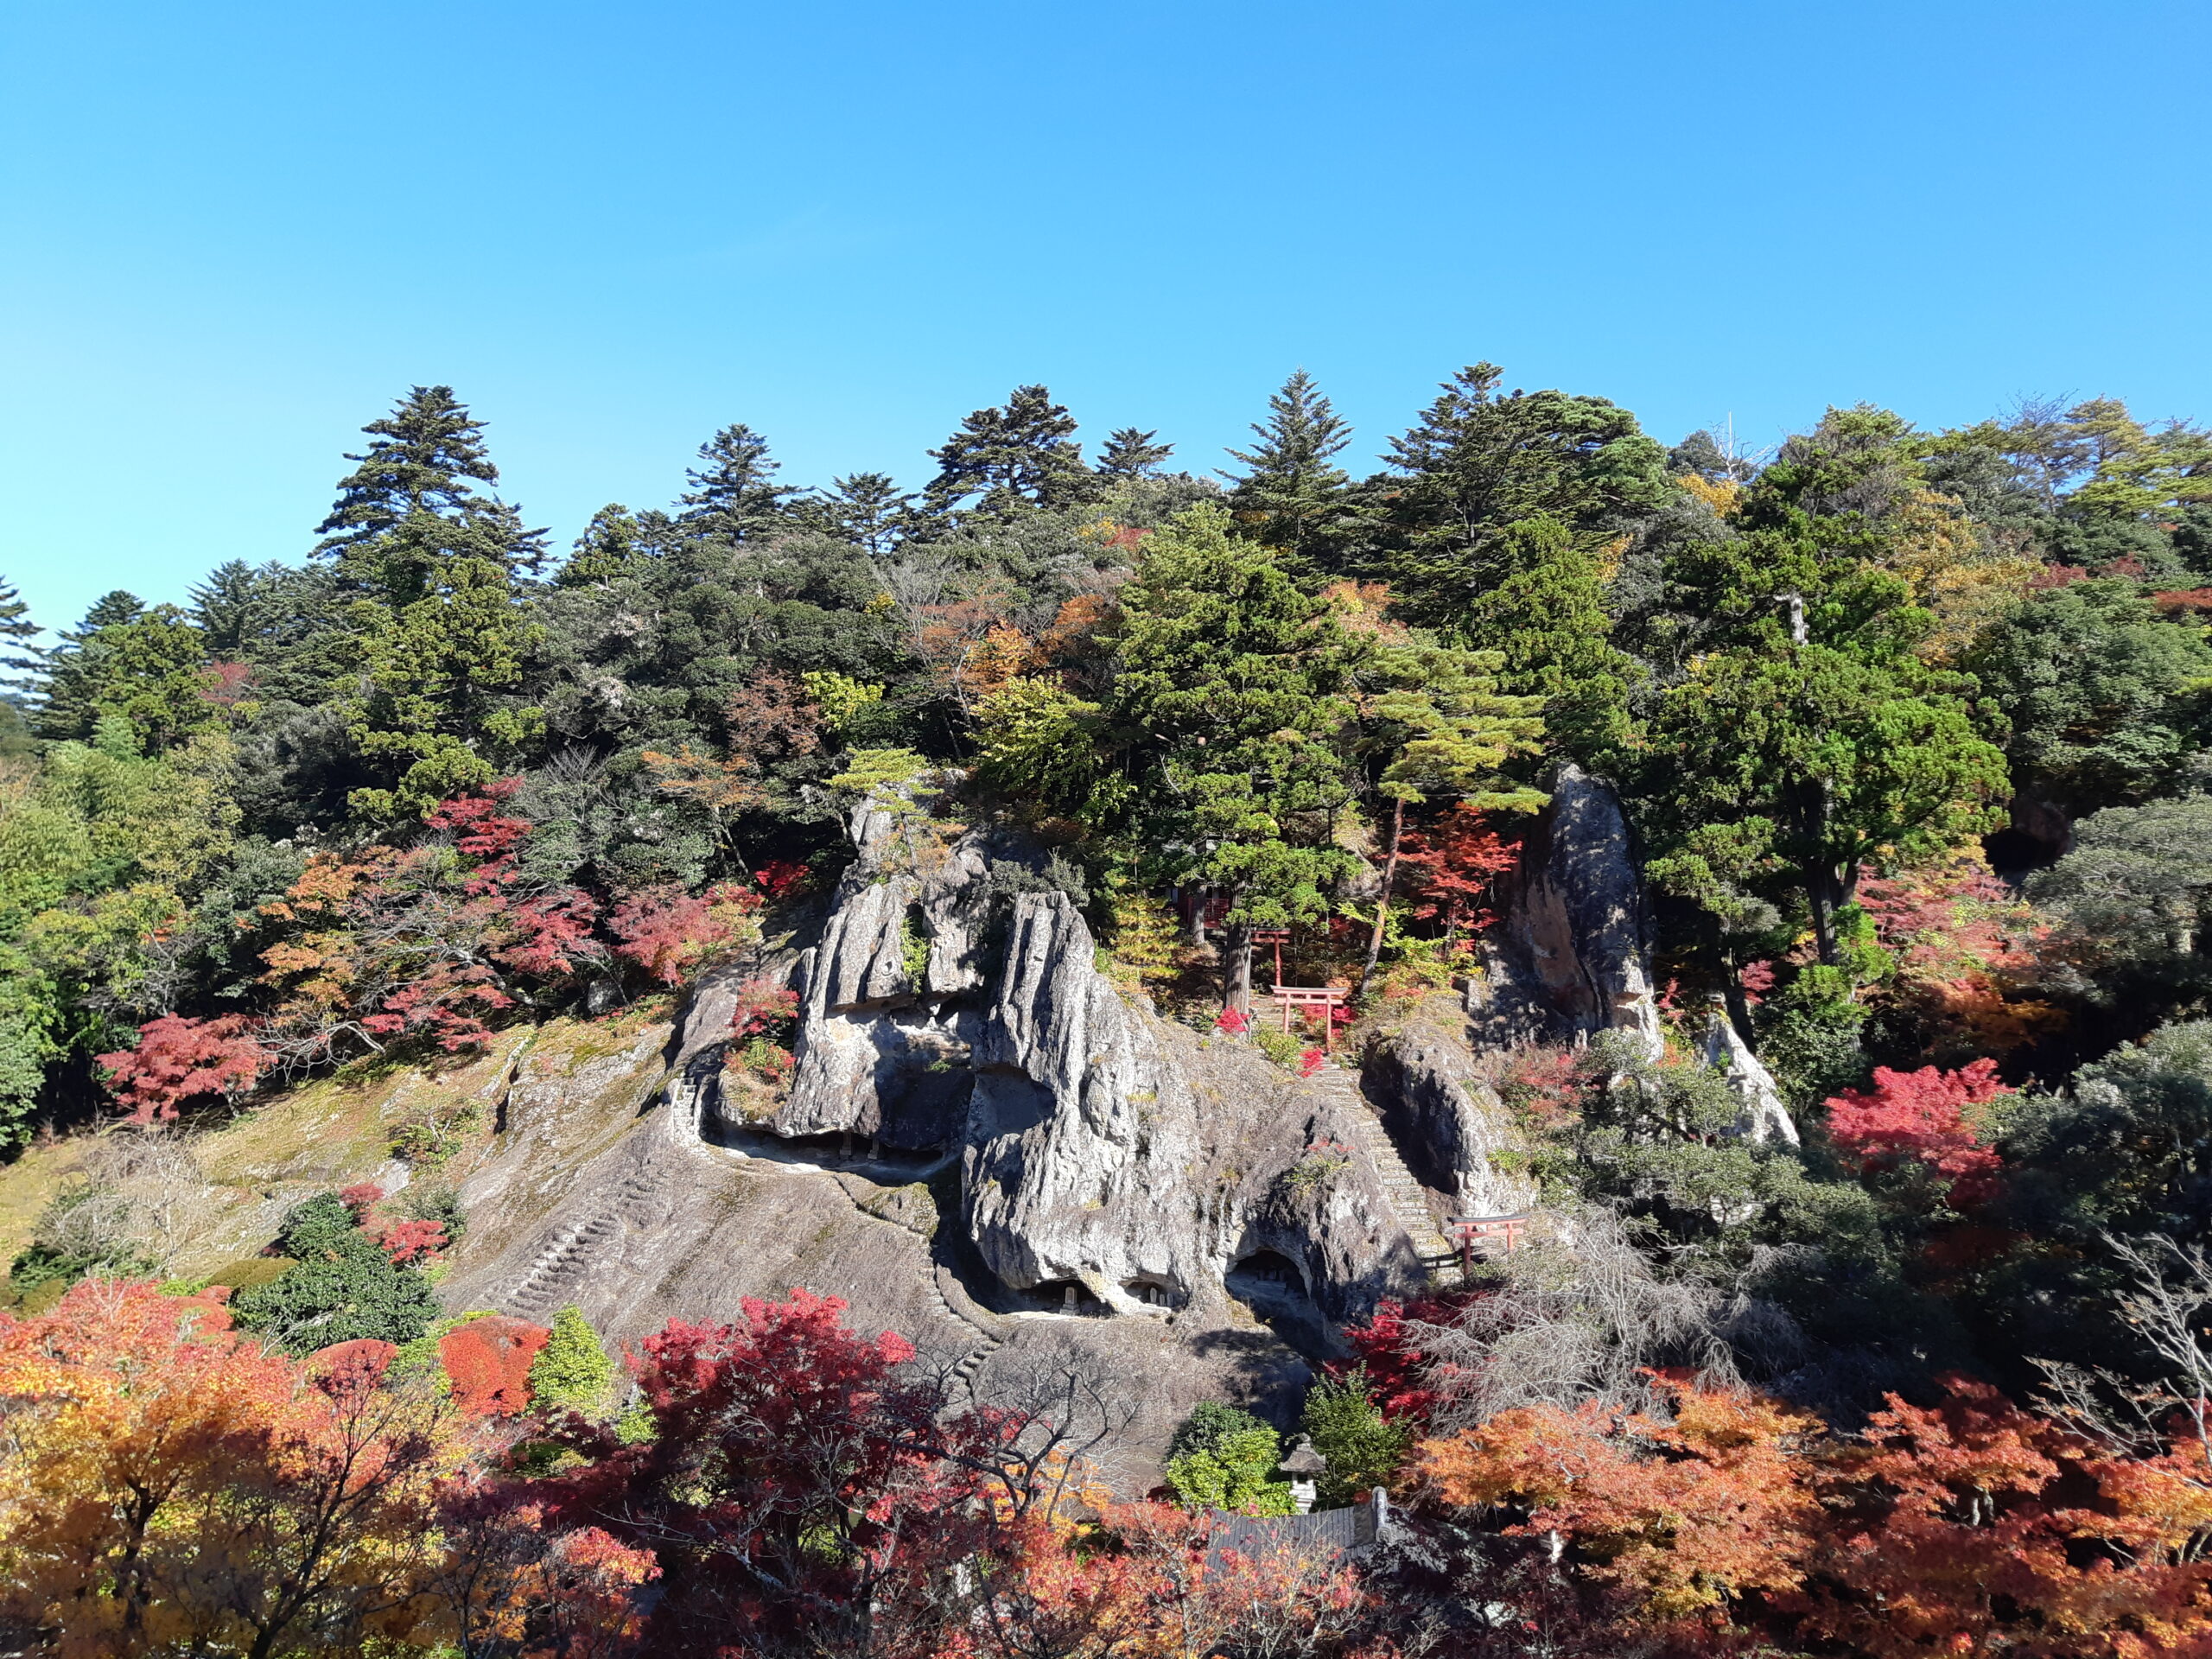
(1765, 1116)
(1567, 957)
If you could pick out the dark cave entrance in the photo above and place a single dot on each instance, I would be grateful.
(1273, 1289)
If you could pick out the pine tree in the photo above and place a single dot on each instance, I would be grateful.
(867, 509)
(16, 632)
(441, 633)
(420, 461)
(226, 606)
(1005, 461)
(1810, 737)
(734, 494)
(1132, 453)
(68, 672)
(1477, 462)
(1290, 488)
(609, 548)
(1546, 617)
(1233, 687)
(1433, 716)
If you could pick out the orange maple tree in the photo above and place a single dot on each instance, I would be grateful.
(1968, 1527)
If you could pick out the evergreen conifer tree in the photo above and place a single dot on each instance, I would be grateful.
(1234, 684)
(1811, 737)
(226, 606)
(16, 632)
(1291, 487)
(867, 509)
(68, 673)
(419, 459)
(1011, 460)
(1130, 453)
(609, 548)
(572, 1369)
(734, 492)
(440, 634)
(1434, 717)
(1545, 615)
(1477, 462)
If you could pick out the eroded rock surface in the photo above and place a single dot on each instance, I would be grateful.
(1435, 1102)
(1568, 957)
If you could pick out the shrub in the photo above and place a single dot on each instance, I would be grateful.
(489, 1361)
(178, 1060)
(1362, 1446)
(572, 1369)
(342, 1287)
(1220, 1459)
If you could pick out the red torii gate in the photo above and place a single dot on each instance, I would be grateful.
(1326, 999)
(1504, 1231)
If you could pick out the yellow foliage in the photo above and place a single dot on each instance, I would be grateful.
(1721, 494)
(1954, 571)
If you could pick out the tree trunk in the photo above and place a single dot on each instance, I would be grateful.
(1818, 883)
(1236, 967)
(1382, 900)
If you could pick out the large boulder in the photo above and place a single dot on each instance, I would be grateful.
(1568, 957)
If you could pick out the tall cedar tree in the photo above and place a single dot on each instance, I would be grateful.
(1811, 737)
(441, 637)
(733, 492)
(1130, 453)
(1291, 491)
(1005, 461)
(1233, 698)
(1478, 463)
(1545, 615)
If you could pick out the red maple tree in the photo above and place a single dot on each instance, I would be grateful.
(179, 1059)
(1921, 1117)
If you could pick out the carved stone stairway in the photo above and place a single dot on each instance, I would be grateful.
(1410, 1204)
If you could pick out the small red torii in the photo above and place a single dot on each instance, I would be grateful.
(1504, 1231)
(1325, 998)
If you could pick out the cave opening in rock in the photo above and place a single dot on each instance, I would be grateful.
(1065, 1296)
(1267, 1273)
(1153, 1292)
(1273, 1290)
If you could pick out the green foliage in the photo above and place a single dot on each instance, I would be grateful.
(1811, 738)
(572, 1370)
(1232, 694)
(2103, 697)
(1362, 1447)
(1221, 1457)
(342, 1287)
(733, 495)
(1291, 493)
(913, 948)
(1544, 615)
(1005, 462)
(441, 643)
(2134, 902)
(1478, 463)
(2120, 1153)
(840, 697)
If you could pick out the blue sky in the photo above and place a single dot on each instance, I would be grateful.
(235, 232)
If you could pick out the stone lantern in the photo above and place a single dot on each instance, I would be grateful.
(1303, 1465)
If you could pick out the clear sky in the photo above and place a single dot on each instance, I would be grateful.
(230, 233)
